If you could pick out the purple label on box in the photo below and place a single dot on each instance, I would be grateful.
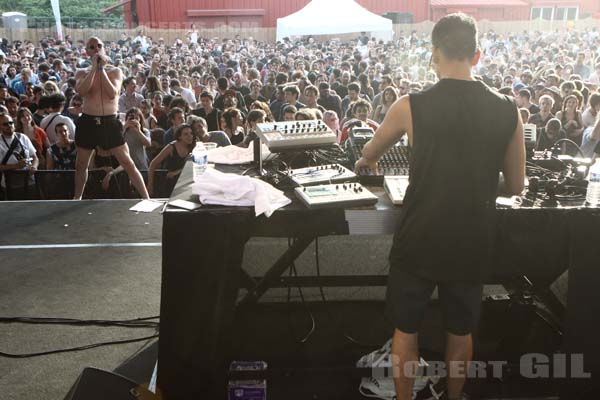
(243, 393)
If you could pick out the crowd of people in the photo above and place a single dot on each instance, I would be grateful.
(201, 89)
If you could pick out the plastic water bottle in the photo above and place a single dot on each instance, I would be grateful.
(593, 189)
(200, 159)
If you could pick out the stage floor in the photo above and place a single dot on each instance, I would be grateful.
(86, 260)
(97, 260)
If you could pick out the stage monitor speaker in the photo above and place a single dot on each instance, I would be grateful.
(96, 384)
(399, 17)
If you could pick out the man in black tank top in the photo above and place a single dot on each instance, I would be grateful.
(462, 134)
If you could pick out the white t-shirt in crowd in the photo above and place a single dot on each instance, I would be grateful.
(23, 150)
(588, 119)
(51, 120)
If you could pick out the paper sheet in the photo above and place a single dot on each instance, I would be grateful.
(146, 206)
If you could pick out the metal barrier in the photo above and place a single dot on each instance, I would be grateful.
(60, 185)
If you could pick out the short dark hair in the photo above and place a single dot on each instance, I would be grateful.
(456, 36)
(354, 86)
(11, 100)
(179, 130)
(312, 88)
(59, 125)
(56, 100)
(281, 78)
(222, 83)
(128, 80)
(594, 99)
(289, 109)
(361, 103)
(174, 111)
(44, 102)
(179, 102)
(568, 84)
(255, 115)
(525, 93)
(207, 94)
(292, 89)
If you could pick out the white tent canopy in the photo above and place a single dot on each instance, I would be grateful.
(328, 17)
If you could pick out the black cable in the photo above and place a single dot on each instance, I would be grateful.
(80, 348)
(129, 323)
(569, 141)
(325, 302)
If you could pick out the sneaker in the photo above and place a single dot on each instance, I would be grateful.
(383, 388)
(378, 388)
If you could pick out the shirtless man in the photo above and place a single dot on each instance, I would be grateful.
(99, 125)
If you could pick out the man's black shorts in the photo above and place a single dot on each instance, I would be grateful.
(408, 296)
(105, 131)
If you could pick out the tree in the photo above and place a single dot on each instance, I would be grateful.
(68, 8)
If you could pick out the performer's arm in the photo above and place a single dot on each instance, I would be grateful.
(111, 85)
(397, 122)
(513, 169)
(84, 81)
(155, 163)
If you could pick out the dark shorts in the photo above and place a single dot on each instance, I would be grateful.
(105, 131)
(408, 296)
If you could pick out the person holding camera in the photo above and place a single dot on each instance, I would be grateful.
(137, 138)
(16, 153)
(99, 85)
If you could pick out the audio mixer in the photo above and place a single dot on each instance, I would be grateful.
(295, 135)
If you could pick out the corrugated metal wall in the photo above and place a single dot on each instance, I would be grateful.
(174, 11)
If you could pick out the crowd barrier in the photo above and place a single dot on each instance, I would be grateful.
(60, 185)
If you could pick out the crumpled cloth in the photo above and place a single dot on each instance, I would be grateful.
(215, 187)
(233, 155)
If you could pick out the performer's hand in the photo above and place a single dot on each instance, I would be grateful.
(363, 163)
(101, 60)
(94, 62)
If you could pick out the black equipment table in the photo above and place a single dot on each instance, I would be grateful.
(202, 257)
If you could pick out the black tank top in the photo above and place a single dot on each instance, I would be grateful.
(174, 161)
(461, 130)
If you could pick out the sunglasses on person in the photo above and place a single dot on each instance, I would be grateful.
(95, 46)
(9, 123)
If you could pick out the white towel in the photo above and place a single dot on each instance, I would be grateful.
(233, 155)
(215, 187)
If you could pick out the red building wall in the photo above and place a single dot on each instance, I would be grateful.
(153, 12)
(485, 13)
(264, 13)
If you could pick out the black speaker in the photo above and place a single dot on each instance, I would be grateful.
(96, 384)
(399, 17)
